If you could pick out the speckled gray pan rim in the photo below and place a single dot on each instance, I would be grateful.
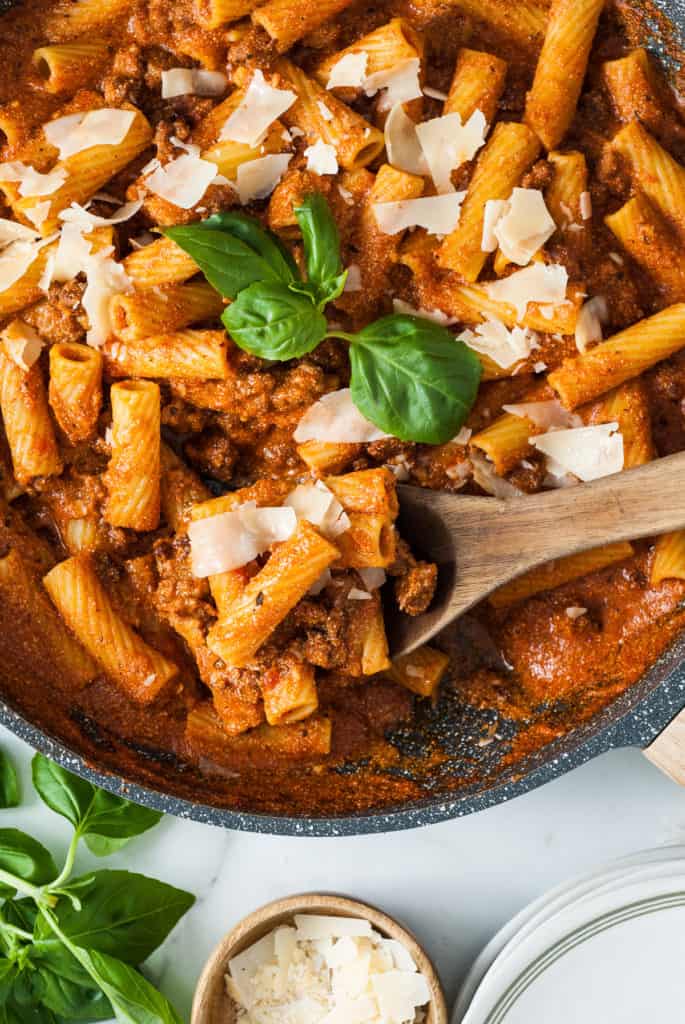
(632, 721)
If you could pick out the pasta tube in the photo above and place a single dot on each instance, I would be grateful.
(133, 475)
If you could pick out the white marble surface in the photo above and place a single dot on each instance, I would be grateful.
(454, 884)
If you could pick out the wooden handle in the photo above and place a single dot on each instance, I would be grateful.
(667, 751)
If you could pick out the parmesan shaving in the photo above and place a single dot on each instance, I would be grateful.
(549, 415)
(72, 254)
(76, 214)
(485, 476)
(320, 507)
(349, 71)
(106, 278)
(592, 315)
(447, 144)
(232, 539)
(38, 213)
(437, 214)
(336, 418)
(32, 182)
(182, 181)
(353, 282)
(400, 83)
(321, 158)
(575, 612)
(504, 346)
(402, 143)
(192, 82)
(15, 260)
(261, 106)
(539, 283)
(76, 132)
(373, 579)
(436, 315)
(11, 231)
(257, 179)
(524, 225)
(22, 344)
(355, 594)
(587, 452)
(494, 208)
(324, 111)
(585, 205)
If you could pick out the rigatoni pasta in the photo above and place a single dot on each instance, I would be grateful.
(133, 474)
(75, 390)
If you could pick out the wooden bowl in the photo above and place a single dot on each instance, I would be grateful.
(212, 1004)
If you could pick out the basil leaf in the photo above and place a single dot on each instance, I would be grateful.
(413, 379)
(133, 998)
(233, 251)
(72, 1001)
(270, 321)
(123, 914)
(53, 955)
(8, 974)
(13, 1014)
(64, 793)
(264, 242)
(91, 810)
(21, 913)
(25, 857)
(101, 846)
(321, 246)
(9, 787)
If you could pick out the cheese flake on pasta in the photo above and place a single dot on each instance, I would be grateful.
(336, 418)
(504, 346)
(349, 71)
(15, 260)
(402, 143)
(257, 179)
(22, 344)
(261, 106)
(11, 231)
(587, 452)
(75, 132)
(436, 315)
(106, 278)
(550, 415)
(493, 210)
(182, 181)
(192, 82)
(320, 507)
(399, 83)
(523, 226)
(539, 283)
(231, 539)
(592, 315)
(76, 214)
(72, 254)
(437, 214)
(447, 144)
(321, 158)
(33, 182)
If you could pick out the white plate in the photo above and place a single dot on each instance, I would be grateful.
(605, 956)
(641, 866)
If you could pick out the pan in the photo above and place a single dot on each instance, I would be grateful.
(415, 789)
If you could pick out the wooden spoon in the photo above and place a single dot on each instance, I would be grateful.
(482, 543)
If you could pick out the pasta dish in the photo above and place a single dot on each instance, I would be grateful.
(260, 262)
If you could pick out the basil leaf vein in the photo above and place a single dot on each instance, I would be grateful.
(273, 322)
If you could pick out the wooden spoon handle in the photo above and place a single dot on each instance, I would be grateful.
(667, 751)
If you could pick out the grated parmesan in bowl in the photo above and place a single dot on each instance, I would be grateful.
(327, 970)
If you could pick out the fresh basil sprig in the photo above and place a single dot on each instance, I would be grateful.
(69, 946)
(9, 786)
(409, 375)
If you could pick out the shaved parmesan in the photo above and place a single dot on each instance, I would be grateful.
(401, 83)
(399, 993)
(76, 132)
(436, 315)
(319, 926)
(504, 346)
(32, 182)
(76, 214)
(187, 147)
(494, 208)
(232, 539)
(320, 507)
(349, 71)
(463, 437)
(402, 143)
(353, 282)
(447, 144)
(485, 476)
(434, 94)
(355, 594)
(38, 213)
(437, 214)
(320, 584)
(257, 179)
(539, 283)
(261, 106)
(587, 452)
(336, 418)
(575, 612)
(324, 111)
(373, 579)
(22, 344)
(11, 231)
(192, 82)
(106, 278)
(585, 205)
(72, 254)
(15, 260)
(321, 158)
(549, 415)
(182, 181)
(524, 225)
(593, 314)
